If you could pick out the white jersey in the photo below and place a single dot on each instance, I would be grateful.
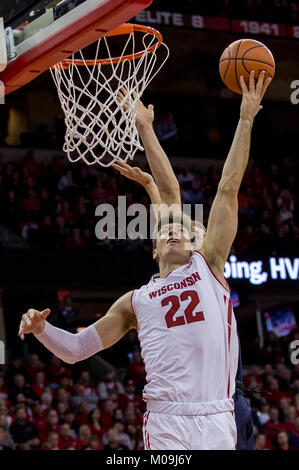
(188, 336)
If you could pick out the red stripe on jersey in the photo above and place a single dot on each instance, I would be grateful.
(146, 434)
(229, 321)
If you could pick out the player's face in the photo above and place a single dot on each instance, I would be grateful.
(173, 243)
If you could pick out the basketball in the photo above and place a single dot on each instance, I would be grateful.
(240, 58)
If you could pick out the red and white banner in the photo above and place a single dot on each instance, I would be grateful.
(258, 28)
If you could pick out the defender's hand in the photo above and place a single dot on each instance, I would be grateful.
(133, 173)
(33, 322)
(252, 97)
(144, 116)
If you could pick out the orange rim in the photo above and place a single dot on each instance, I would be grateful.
(123, 29)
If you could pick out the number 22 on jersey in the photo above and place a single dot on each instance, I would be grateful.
(189, 316)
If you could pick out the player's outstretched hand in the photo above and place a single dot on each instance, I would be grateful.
(253, 95)
(133, 173)
(144, 115)
(33, 322)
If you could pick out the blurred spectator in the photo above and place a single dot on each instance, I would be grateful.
(95, 424)
(22, 430)
(94, 443)
(2, 441)
(109, 384)
(283, 441)
(121, 437)
(84, 435)
(20, 386)
(4, 427)
(52, 442)
(260, 442)
(51, 425)
(130, 396)
(39, 384)
(34, 365)
(273, 425)
(67, 317)
(66, 438)
(83, 412)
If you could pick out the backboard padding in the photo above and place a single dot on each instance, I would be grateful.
(68, 34)
(3, 52)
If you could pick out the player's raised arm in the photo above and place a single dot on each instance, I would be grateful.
(167, 183)
(72, 348)
(223, 219)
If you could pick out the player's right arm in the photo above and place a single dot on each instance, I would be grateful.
(161, 169)
(72, 348)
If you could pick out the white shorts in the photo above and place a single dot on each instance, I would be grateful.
(163, 431)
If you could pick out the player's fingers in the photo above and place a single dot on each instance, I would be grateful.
(124, 90)
(121, 170)
(243, 85)
(251, 82)
(120, 95)
(117, 166)
(45, 313)
(27, 321)
(260, 82)
(31, 313)
(122, 164)
(151, 107)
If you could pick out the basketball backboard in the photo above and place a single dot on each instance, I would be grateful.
(41, 33)
(3, 52)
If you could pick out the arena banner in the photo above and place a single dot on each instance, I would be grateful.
(262, 270)
(263, 28)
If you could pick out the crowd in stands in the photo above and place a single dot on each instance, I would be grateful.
(55, 406)
(42, 407)
(281, 11)
(52, 205)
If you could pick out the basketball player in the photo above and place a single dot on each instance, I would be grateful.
(184, 319)
(243, 417)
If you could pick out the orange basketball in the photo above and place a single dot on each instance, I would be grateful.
(240, 58)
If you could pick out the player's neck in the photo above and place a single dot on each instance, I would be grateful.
(167, 268)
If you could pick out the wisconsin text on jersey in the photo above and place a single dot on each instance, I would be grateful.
(156, 459)
(188, 281)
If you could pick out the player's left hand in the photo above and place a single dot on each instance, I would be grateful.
(253, 95)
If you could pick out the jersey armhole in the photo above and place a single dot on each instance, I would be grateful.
(227, 288)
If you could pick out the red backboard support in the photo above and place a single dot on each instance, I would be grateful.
(66, 36)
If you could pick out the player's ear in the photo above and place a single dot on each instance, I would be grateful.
(155, 254)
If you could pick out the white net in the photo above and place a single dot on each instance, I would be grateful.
(99, 128)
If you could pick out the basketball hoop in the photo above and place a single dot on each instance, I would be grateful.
(98, 127)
